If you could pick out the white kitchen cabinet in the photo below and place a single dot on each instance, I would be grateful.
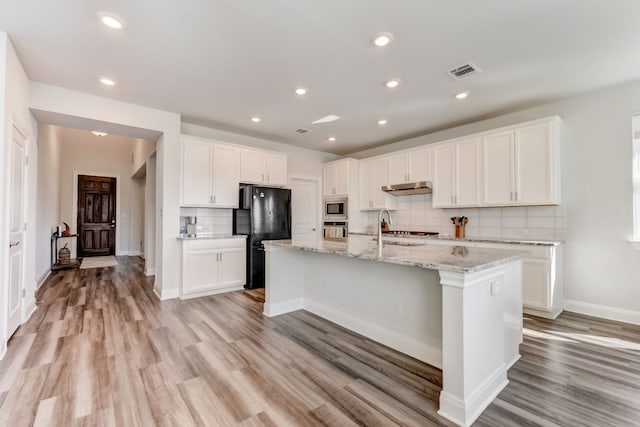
(521, 165)
(263, 167)
(409, 166)
(336, 177)
(210, 174)
(373, 175)
(212, 266)
(457, 174)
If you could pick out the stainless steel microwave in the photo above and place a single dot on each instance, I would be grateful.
(335, 209)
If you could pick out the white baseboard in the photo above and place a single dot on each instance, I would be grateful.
(122, 253)
(212, 292)
(149, 271)
(603, 311)
(540, 313)
(43, 278)
(430, 353)
(134, 253)
(3, 348)
(271, 310)
(30, 310)
(169, 294)
(454, 409)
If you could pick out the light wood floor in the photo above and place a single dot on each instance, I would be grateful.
(101, 349)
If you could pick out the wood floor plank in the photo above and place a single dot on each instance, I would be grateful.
(102, 350)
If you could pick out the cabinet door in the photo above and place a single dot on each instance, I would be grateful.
(535, 283)
(366, 184)
(498, 166)
(467, 167)
(232, 267)
(534, 164)
(398, 169)
(252, 166)
(342, 178)
(380, 178)
(200, 270)
(226, 176)
(420, 165)
(196, 173)
(443, 175)
(276, 170)
(329, 179)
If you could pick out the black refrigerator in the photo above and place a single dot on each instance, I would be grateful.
(264, 214)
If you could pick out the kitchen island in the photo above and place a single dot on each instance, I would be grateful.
(457, 308)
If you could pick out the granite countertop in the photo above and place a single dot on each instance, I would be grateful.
(439, 257)
(212, 236)
(441, 237)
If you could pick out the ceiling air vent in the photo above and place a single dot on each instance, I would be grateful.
(463, 71)
(301, 131)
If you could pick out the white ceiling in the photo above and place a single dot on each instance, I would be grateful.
(219, 62)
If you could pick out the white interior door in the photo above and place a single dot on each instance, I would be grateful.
(16, 231)
(305, 208)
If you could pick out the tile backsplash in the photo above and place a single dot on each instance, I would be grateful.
(524, 222)
(210, 220)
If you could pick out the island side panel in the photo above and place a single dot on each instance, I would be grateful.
(399, 306)
(474, 338)
(284, 279)
(512, 312)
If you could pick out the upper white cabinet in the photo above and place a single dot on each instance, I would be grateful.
(409, 166)
(210, 174)
(457, 173)
(521, 165)
(374, 175)
(263, 167)
(337, 176)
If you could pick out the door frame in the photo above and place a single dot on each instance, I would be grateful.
(319, 191)
(14, 126)
(74, 204)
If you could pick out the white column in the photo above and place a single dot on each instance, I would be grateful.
(473, 342)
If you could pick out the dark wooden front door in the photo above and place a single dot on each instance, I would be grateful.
(96, 216)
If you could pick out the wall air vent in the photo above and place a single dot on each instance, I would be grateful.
(463, 71)
(302, 131)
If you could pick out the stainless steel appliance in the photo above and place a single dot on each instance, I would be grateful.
(264, 214)
(335, 230)
(420, 187)
(336, 209)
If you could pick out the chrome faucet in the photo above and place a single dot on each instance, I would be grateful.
(380, 212)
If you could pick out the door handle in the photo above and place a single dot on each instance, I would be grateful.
(113, 226)
(12, 244)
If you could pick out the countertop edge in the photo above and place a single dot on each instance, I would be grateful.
(473, 239)
(237, 236)
(287, 244)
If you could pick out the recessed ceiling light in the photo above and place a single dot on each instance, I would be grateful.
(382, 39)
(382, 122)
(107, 82)
(332, 139)
(256, 119)
(111, 21)
(462, 95)
(96, 133)
(392, 83)
(301, 90)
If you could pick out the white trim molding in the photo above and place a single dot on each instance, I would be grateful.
(603, 311)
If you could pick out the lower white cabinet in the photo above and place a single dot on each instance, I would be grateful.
(211, 266)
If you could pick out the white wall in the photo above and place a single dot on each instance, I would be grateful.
(150, 217)
(601, 270)
(136, 216)
(142, 149)
(300, 161)
(14, 92)
(57, 100)
(48, 195)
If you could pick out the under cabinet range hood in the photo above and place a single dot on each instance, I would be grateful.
(420, 187)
